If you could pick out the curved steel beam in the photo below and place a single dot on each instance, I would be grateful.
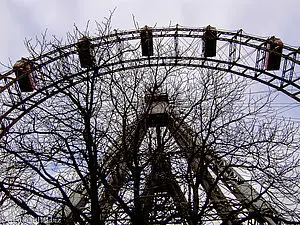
(235, 61)
(14, 112)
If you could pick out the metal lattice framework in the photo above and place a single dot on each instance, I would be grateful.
(237, 53)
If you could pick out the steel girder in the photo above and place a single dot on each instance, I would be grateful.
(238, 186)
(188, 142)
(245, 57)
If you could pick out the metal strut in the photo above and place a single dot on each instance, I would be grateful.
(136, 133)
(240, 188)
(207, 164)
(183, 135)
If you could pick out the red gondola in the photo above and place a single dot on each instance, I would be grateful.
(273, 54)
(157, 115)
(23, 71)
(210, 42)
(84, 52)
(147, 41)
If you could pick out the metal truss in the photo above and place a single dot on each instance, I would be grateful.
(162, 182)
(238, 53)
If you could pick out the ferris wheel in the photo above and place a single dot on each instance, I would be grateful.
(152, 126)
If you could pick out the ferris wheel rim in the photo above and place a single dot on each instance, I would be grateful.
(176, 32)
(173, 61)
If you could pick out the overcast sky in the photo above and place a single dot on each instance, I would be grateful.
(20, 19)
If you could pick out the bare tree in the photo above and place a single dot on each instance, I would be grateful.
(89, 152)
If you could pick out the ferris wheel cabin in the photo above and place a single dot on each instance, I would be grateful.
(147, 41)
(84, 52)
(157, 106)
(273, 54)
(24, 75)
(210, 41)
